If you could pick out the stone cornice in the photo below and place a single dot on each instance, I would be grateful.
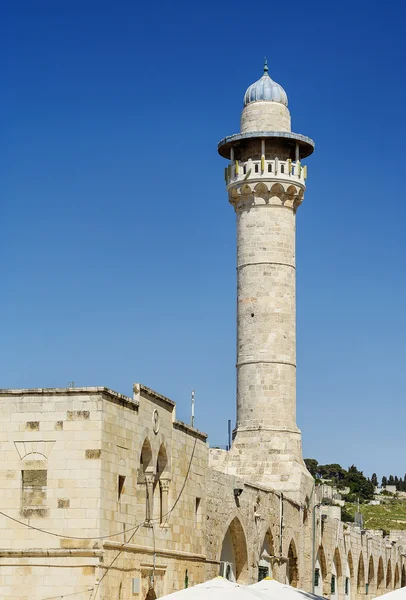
(158, 551)
(265, 194)
(306, 144)
(270, 490)
(51, 552)
(139, 387)
(190, 430)
(75, 391)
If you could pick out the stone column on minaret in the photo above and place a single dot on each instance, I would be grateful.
(266, 182)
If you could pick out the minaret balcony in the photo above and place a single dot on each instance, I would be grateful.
(263, 169)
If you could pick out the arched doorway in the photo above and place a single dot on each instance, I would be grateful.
(403, 580)
(234, 557)
(265, 557)
(293, 569)
(371, 576)
(381, 575)
(361, 575)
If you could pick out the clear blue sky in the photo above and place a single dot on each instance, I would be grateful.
(118, 243)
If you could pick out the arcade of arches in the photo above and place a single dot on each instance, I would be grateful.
(172, 511)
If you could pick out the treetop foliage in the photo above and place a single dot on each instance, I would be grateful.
(360, 486)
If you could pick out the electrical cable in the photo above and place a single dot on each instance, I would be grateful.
(149, 521)
(105, 537)
(97, 588)
(184, 482)
(133, 529)
(69, 537)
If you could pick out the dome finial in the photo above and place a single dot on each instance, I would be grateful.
(265, 66)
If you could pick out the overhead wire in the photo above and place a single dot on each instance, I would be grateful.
(96, 588)
(69, 537)
(104, 537)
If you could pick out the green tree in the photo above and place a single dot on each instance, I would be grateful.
(333, 471)
(374, 479)
(359, 484)
(311, 465)
(384, 481)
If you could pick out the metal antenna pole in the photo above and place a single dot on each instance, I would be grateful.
(193, 408)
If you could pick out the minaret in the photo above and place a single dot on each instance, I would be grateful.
(266, 183)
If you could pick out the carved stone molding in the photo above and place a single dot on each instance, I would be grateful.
(246, 195)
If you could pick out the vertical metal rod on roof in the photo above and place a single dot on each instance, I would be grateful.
(229, 434)
(193, 409)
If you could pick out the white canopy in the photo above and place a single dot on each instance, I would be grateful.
(218, 589)
(399, 594)
(274, 590)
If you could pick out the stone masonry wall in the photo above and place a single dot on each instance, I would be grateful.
(78, 463)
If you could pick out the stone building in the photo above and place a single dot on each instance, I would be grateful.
(112, 498)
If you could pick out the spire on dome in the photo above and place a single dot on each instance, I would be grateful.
(265, 89)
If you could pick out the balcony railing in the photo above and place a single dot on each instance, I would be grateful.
(265, 169)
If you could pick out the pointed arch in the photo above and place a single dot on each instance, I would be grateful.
(403, 579)
(336, 574)
(160, 491)
(361, 575)
(371, 575)
(349, 577)
(396, 581)
(143, 494)
(162, 462)
(380, 575)
(266, 555)
(350, 564)
(145, 457)
(389, 575)
(293, 569)
(234, 551)
(322, 560)
(320, 571)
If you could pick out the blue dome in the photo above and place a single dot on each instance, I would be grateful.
(265, 89)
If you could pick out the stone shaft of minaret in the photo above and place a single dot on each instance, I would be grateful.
(266, 182)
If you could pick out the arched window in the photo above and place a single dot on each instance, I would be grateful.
(161, 486)
(234, 556)
(144, 483)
